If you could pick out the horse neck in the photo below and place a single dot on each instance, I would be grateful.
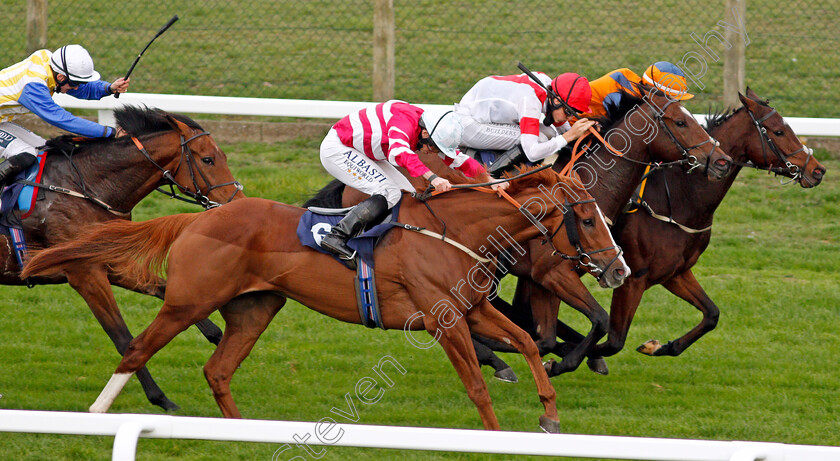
(120, 175)
(693, 198)
(471, 218)
(615, 178)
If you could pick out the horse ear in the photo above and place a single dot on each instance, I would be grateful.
(752, 94)
(743, 98)
(177, 126)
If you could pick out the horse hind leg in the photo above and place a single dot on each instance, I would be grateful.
(93, 286)
(490, 323)
(167, 324)
(246, 317)
(456, 342)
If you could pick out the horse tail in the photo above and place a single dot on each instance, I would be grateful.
(328, 197)
(134, 250)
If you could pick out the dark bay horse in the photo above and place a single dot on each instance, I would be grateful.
(245, 260)
(646, 129)
(754, 135)
(659, 252)
(115, 173)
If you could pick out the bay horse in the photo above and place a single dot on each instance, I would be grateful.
(245, 260)
(114, 175)
(661, 252)
(657, 129)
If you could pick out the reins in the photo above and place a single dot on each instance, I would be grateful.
(84, 194)
(197, 197)
(583, 258)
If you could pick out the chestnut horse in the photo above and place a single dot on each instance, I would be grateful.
(653, 129)
(660, 252)
(115, 175)
(245, 260)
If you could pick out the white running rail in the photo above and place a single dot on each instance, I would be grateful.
(126, 428)
(316, 109)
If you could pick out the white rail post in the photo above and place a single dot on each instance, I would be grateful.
(125, 442)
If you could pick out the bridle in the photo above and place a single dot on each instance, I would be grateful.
(198, 197)
(583, 257)
(793, 170)
(688, 159)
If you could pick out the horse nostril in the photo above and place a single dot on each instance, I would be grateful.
(619, 273)
(818, 173)
(722, 162)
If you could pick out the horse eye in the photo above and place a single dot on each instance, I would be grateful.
(779, 132)
(680, 123)
(207, 160)
(589, 222)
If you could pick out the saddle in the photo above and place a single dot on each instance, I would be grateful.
(316, 223)
(17, 201)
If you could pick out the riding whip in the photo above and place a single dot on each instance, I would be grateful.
(159, 33)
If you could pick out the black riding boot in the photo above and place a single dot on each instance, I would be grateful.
(355, 221)
(507, 161)
(14, 165)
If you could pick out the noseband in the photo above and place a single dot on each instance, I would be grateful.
(198, 197)
(583, 257)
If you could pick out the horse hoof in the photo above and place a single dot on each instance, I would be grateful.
(548, 425)
(598, 365)
(506, 375)
(553, 368)
(650, 347)
(167, 405)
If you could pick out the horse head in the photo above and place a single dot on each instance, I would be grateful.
(206, 173)
(184, 152)
(677, 136)
(574, 226)
(771, 144)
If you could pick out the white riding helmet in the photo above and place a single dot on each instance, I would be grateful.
(445, 129)
(74, 62)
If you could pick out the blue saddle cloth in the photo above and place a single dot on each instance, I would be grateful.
(18, 196)
(313, 227)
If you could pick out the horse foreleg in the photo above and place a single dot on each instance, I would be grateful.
(246, 317)
(688, 288)
(488, 322)
(625, 301)
(574, 292)
(167, 324)
(486, 356)
(93, 286)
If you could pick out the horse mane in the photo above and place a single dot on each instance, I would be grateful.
(140, 120)
(617, 112)
(328, 197)
(546, 177)
(135, 120)
(718, 116)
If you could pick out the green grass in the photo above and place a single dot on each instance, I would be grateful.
(768, 373)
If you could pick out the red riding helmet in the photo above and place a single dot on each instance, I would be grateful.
(574, 90)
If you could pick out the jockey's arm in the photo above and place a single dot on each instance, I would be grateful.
(36, 97)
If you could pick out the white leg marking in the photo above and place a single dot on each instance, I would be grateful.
(111, 391)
